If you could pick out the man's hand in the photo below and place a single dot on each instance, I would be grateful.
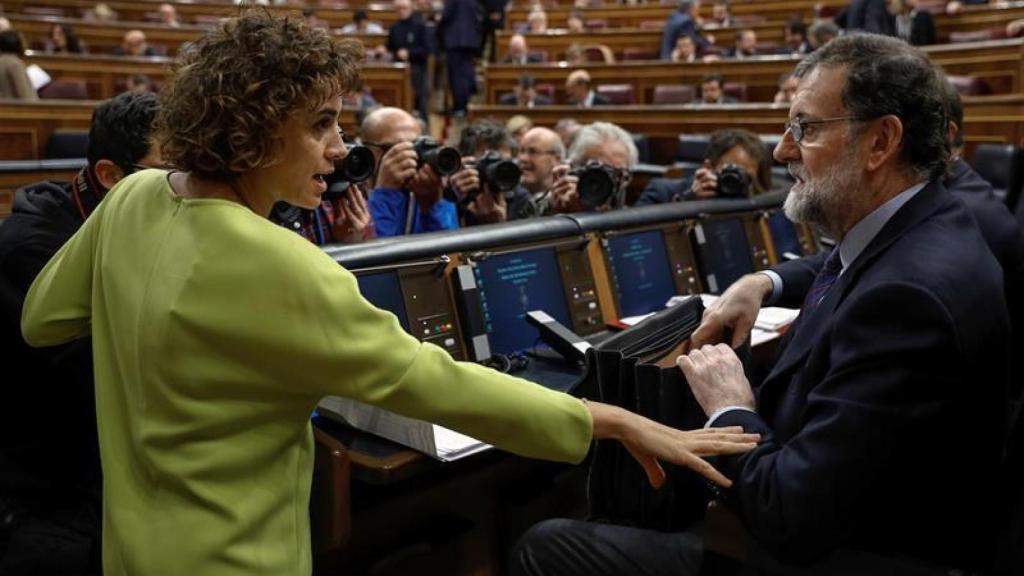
(397, 166)
(465, 180)
(426, 186)
(736, 309)
(715, 375)
(489, 207)
(564, 198)
(355, 223)
(402, 55)
(705, 182)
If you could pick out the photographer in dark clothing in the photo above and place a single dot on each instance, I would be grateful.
(488, 154)
(736, 164)
(50, 480)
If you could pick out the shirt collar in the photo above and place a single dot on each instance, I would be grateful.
(863, 232)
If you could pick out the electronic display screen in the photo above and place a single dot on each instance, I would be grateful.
(513, 284)
(384, 291)
(725, 252)
(784, 236)
(640, 271)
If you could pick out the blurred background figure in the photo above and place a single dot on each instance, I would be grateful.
(135, 44)
(361, 24)
(822, 32)
(577, 87)
(795, 34)
(517, 126)
(63, 40)
(519, 51)
(787, 88)
(912, 24)
(712, 90)
(720, 15)
(685, 50)
(312, 20)
(746, 44)
(139, 83)
(574, 23)
(169, 15)
(460, 37)
(525, 94)
(407, 42)
(102, 13)
(537, 21)
(566, 128)
(14, 81)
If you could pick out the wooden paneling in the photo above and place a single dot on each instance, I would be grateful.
(999, 62)
(104, 75)
(997, 119)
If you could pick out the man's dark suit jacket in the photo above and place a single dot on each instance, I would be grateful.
(679, 23)
(870, 16)
(881, 422)
(511, 100)
(531, 58)
(601, 100)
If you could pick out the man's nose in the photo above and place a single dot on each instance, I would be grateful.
(787, 150)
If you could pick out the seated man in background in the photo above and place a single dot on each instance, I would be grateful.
(795, 33)
(712, 92)
(541, 151)
(361, 24)
(134, 44)
(407, 193)
(519, 52)
(998, 226)
(601, 162)
(822, 32)
(50, 482)
(746, 45)
(736, 165)
(524, 95)
(577, 87)
(685, 50)
(896, 362)
(787, 88)
(485, 143)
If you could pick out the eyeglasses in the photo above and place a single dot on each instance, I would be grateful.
(797, 126)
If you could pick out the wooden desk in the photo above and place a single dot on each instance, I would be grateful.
(556, 42)
(26, 126)
(103, 37)
(145, 10)
(1000, 63)
(995, 119)
(105, 75)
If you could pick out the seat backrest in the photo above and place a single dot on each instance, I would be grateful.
(67, 145)
(971, 36)
(1000, 164)
(598, 53)
(968, 85)
(737, 90)
(618, 93)
(595, 24)
(65, 90)
(643, 147)
(692, 147)
(652, 24)
(635, 53)
(674, 94)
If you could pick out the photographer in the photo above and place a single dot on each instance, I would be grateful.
(488, 186)
(736, 165)
(602, 158)
(407, 192)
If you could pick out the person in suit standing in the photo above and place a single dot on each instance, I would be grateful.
(870, 16)
(577, 86)
(408, 42)
(912, 24)
(895, 366)
(682, 21)
(525, 95)
(461, 38)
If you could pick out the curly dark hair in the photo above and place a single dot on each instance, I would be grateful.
(887, 76)
(231, 92)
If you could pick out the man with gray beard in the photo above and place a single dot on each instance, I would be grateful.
(882, 420)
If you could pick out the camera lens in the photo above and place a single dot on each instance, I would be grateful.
(446, 160)
(596, 187)
(502, 175)
(358, 165)
(733, 182)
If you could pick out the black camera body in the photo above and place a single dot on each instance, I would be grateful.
(357, 167)
(597, 185)
(444, 159)
(733, 182)
(499, 174)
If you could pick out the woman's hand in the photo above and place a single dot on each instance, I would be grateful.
(356, 223)
(650, 442)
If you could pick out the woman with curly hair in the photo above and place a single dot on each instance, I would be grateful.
(215, 332)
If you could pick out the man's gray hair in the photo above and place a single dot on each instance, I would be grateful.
(596, 134)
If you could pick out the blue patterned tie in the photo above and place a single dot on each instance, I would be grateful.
(826, 277)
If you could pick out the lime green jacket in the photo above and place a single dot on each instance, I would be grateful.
(215, 333)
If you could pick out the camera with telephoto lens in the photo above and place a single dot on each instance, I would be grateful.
(597, 185)
(444, 159)
(733, 182)
(499, 174)
(357, 167)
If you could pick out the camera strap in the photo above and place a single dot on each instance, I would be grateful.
(86, 191)
(410, 212)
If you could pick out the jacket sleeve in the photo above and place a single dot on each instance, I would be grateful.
(797, 277)
(58, 307)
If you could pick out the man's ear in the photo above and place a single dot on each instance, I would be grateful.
(886, 141)
(107, 173)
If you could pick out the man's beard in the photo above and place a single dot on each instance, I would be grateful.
(819, 202)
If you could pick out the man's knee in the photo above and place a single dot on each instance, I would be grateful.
(539, 546)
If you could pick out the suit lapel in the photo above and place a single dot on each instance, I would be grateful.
(808, 331)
